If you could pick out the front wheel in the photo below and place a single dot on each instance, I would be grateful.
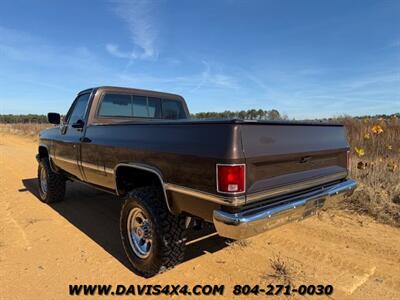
(153, 238)
(51, 185)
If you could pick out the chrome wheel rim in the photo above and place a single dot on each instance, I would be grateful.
(139, 232)
(43, 180)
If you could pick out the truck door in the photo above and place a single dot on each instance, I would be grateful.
(67, 149)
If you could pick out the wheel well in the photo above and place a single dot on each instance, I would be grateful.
(43, 152)
(128, 178)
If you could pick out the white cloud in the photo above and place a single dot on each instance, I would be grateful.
(114, 50)
(205, 80)
(372, 80)
(13, 36)
(173, 61)
(394, 44)
(139, 17)
(213, 79)
(20, 46)
(35, 62)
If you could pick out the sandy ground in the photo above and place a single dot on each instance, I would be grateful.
(45, 248)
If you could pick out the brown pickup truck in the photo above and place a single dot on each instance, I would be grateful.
(242, 176)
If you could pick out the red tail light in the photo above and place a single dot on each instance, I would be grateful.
(231, 179)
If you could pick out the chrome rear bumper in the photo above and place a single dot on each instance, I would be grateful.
(254, 221)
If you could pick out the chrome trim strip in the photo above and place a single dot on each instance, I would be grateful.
(252, 222)
(230, 201)
(93, 166)
(68, 160)
(109, 170)
(97, 167)
(146, 168)
(287, 189)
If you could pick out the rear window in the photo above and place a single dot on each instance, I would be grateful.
(133, 106)
(172, 110)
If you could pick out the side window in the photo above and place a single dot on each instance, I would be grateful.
(116, 105)
(154, 106)
(79, 109)
(139, 104)
(172, 110)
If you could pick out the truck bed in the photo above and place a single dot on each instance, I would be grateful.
(279, 155)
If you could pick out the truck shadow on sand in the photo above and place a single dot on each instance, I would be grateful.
(96, 214)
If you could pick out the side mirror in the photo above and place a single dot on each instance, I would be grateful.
(53, 118)
(78, 124)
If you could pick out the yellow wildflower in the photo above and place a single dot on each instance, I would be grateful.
(377, 129)
(360, 151)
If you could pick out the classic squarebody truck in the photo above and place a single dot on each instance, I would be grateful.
(242, 176)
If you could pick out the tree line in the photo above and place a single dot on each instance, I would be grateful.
(251, 114)
(29, 118)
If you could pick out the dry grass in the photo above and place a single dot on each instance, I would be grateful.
(283, 271)
(24, 129)
(240, 244)
(31, 221)
(375, 159)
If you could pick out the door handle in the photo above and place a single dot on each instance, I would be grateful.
(305, 159)
(85, 140)
(78, 124)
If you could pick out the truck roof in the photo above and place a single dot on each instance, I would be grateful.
(132, 90)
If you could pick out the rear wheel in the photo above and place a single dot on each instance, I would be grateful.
(51, 185)
(153, 238)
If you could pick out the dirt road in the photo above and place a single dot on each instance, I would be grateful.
(45, 248)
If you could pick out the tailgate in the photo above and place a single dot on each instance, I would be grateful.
(286, 158)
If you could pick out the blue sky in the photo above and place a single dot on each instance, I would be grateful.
(305, 58)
